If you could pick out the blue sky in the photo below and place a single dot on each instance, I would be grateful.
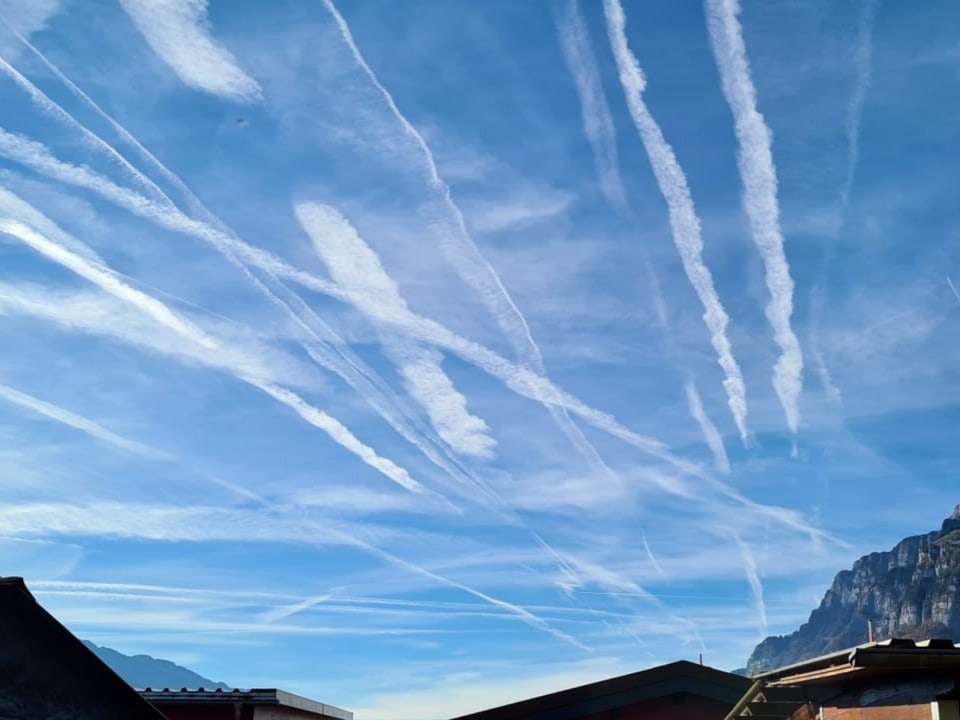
(423, 356)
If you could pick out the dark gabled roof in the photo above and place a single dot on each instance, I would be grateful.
(677, 678)
(258, 697)
(45, 671)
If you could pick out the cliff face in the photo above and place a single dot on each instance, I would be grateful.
(911, 591)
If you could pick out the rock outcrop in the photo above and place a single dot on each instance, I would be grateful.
(911, 591)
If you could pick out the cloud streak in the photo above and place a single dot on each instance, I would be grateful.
(683, 218)
(159, 312)
(710, 432)
(756, 584)
(759, 177)
(338, 357)
(206, 523)
(470, 263)
(600, 131)
(77, 422)
(953, 288)
(23, 17)
(325, 347)
(178, 32)
(357, 270)
(595, 112)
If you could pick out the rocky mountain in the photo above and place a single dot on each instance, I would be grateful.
(911, 591)
(142, 671)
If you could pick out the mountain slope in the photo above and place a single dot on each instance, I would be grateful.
(143, 671)
(911, 591)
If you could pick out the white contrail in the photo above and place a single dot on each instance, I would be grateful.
(710, 432)
(357, 270)
(683, 217)
(78, 422)
(285, 611)
(522, 380)
(597, 119)
(177, 32)
(954, 288)
(759, 177)
(51, 108)
(424, 377)
(863, 71)
(651, 557)
(204, 523)
(342, 362)
(107, 280)
(235, 250)
(23, 17)
(756, 584)
(470, 264)
(600, 131)
(519, 379)
(340, 434)
(862, 66)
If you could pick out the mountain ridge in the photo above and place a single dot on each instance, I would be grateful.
(910, 591)
(143, 671)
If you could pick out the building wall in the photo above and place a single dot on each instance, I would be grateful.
(283, 713)
(204, 711)
(887, 712)
(946, 710)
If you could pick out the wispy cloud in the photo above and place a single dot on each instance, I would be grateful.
(759, 177)
(953, 288)
(600, 131)
(863, 72)
(710, 432)
(204, 523)
(179, 33)
(470, 263)
(653, 558)
(22, 18)
(520, 379)
(286, 611)
(324, 345)
(683, 217)
(357, 271)
(105, 279)
(597, 119)
(756, 584)
(78, 422)
(158, 311)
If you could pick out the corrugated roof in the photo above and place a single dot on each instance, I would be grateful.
(774, 693)
(254, 696)
(908, 650)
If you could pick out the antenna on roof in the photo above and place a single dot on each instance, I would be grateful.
(870, 636)
(701, 658)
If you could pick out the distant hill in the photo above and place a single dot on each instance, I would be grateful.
(142, 671)
(911, 591)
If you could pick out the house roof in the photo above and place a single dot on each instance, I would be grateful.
(677, 678)
(45, 671)
(259, 697)
(776, 691)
